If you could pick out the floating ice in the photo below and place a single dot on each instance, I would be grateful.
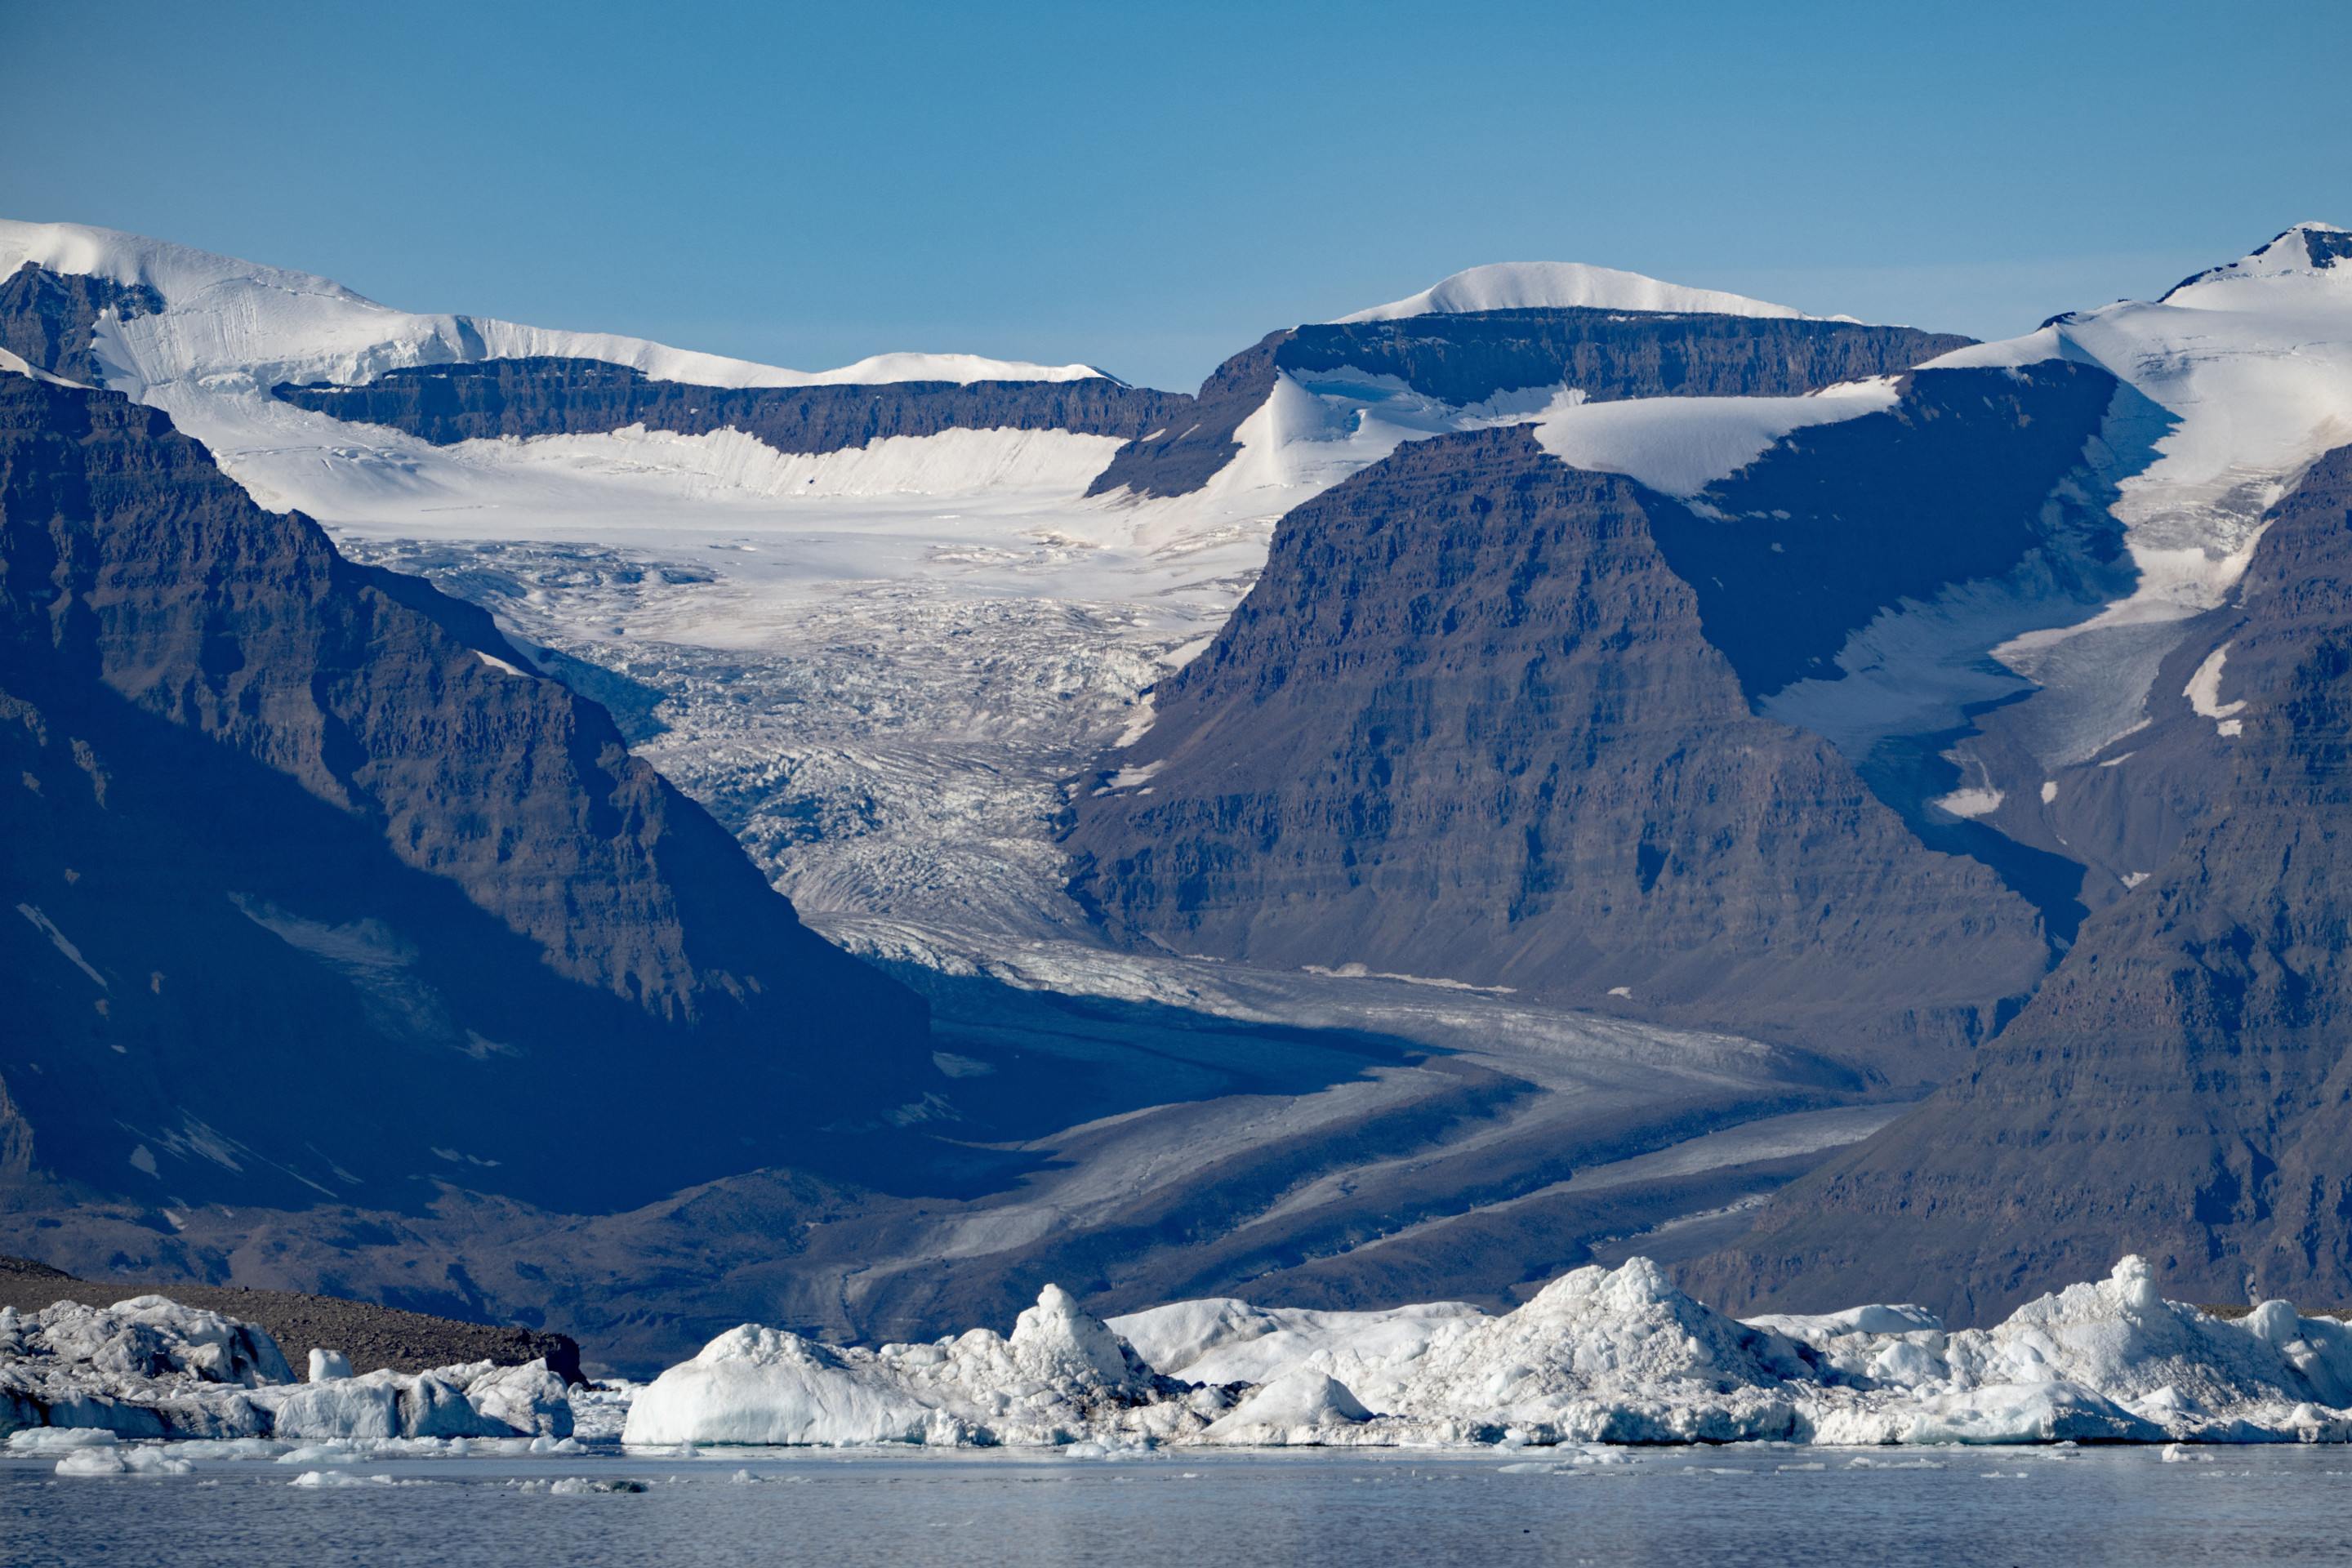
(122, 1461)
(149, 1367)
(1301, 1406)
(1598, 1356)
(1062, 1377)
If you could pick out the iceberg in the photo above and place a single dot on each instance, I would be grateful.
(148, 1367)
(1063, 1376)
(1598, 1356)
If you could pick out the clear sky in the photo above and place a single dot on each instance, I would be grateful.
(1149, 187)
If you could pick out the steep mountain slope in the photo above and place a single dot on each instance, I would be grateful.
(2179, 1085)
(319, 889)
(1487, 717)
(2235, 382)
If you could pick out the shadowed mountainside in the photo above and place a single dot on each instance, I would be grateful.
(2180, 1085)
(320, 890)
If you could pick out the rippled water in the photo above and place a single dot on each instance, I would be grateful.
(1747, 1505)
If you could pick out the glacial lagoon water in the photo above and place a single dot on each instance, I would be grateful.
(1750, 1504)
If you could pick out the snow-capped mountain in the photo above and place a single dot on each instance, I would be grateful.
(2179, 1074)
(1074, 536)
(223, 317)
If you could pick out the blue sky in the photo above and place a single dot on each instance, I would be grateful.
(1152, 187)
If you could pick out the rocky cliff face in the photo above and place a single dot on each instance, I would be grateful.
(1469, 725)
(1468, 359)
(1199, 438)
(524, 397)
(319, 888)
(2179, 1086)
(47, 318)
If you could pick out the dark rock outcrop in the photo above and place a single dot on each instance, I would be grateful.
(46, 319)
(1469, 725)
(1956, 483)
(2181, 1085)
(444, 403)
(318, 888)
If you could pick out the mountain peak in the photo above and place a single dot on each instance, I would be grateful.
(1563, 285)
(2302, 250)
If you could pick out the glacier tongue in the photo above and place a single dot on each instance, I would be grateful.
(1598, 1355)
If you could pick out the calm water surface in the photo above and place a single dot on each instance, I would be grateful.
(1747, 1505)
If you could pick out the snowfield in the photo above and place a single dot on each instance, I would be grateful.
(1599, 1355)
